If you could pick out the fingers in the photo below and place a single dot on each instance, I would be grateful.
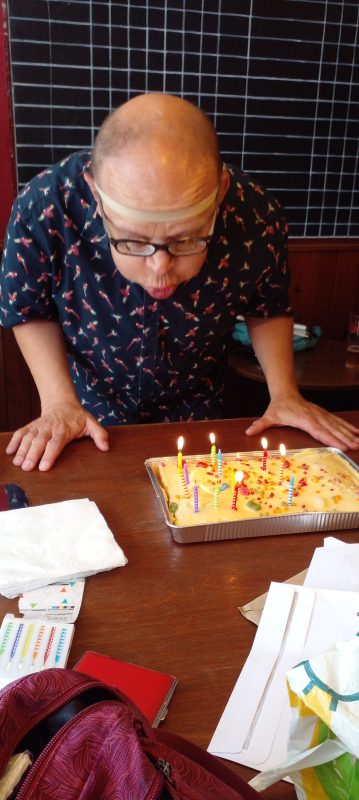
(26, 443)
(258, 426)
(98, 434)
(351, 435)
(324, 426)
(16, 440)
(35, 445)
(327, 428)
(41, 442)
(330, 429)
(52, 451)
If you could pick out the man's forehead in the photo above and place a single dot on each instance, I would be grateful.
(131, 229)
(137, 214)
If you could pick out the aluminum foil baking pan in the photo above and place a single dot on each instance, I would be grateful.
(277, 525)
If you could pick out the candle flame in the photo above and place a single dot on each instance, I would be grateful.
(282, 450)
(212, 438)
(264, 443)
(180, 443)
(239, 476)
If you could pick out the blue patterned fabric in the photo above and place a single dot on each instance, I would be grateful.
(12, 496)
(133, 359)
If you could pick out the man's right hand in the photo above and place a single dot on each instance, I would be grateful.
(41, 441)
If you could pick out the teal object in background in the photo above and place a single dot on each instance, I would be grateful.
(304, 336)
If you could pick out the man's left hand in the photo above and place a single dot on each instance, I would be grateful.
(296, 412)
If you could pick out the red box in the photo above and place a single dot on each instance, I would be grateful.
(149, 689)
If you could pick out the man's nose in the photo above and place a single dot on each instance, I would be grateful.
(160, 262)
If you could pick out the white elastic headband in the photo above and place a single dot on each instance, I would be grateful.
(157, 216)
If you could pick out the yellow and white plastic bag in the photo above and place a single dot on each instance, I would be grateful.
(323, 747)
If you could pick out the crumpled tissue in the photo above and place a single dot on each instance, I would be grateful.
(54, 542)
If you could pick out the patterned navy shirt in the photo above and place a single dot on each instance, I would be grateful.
(134, 359)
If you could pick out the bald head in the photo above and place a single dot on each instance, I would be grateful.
(173, 134)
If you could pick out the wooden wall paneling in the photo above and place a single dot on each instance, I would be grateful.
(302, 287)
(22, 400)
(326, 272)
(3, 394)
(325, 284)
(312, 278)
(345, 296)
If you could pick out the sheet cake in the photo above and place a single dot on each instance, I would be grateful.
(324, 481)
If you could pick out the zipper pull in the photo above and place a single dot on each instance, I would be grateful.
(166, 769)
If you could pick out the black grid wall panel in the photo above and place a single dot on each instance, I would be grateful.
(279, 80)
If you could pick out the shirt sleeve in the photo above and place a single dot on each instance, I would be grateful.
(28, 269)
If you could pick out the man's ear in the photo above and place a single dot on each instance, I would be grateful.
(224, 183)
(91, 183)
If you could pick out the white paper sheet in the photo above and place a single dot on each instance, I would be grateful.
(52, 543)
(297, 623)
(334, 568)
(332, 541)
(254, 608)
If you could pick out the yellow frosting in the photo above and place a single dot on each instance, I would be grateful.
(323, 481)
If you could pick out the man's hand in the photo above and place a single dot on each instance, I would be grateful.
(41, 441)
(299, 413)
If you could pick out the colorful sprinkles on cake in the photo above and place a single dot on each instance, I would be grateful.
(236, 487)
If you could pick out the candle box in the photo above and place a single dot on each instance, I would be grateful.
(31, 635)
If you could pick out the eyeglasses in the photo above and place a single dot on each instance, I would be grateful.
(180, 247)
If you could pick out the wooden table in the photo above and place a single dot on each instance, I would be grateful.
(321, 372)
(173, 607)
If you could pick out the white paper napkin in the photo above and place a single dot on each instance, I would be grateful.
(54, 542)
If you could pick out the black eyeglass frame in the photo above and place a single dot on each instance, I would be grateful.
(153, 247)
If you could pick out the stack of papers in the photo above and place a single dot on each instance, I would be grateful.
(297, 623)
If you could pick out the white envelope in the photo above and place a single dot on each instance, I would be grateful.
(297, 623)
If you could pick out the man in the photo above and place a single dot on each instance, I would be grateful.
(123, 278)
